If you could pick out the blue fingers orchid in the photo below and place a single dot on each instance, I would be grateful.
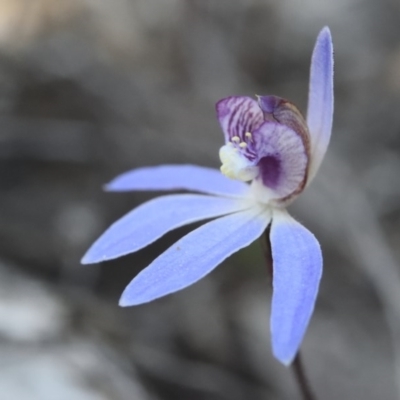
(267, 143)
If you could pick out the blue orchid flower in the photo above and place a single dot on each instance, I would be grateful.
(267, 143)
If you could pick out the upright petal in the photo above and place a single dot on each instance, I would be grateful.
(320, 99)
(151, 220)
(297, 270)
(178, 177)
(195, 255)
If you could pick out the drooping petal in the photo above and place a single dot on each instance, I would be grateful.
(178, 177)
(237, 116)
(297, 270)
(320, 99)
(195, 255)
(151, 220)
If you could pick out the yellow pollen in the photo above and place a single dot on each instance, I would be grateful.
(248, 135)
(243, 145)
(235, 139)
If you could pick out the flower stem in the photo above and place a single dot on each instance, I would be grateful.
(299, 372)
(297, 365)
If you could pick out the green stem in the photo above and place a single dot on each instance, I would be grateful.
(301, 377)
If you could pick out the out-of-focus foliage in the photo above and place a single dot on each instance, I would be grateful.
(90, 88)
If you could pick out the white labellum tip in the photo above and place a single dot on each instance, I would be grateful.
(235, 165)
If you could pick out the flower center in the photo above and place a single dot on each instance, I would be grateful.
(267, 143)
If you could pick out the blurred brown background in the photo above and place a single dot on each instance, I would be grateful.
(91, 88)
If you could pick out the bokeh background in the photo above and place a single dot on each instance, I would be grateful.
(91, 88)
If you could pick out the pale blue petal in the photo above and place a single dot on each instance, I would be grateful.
(151, 220)
(195, 255)
(297, 270)
(178, 177)
(320, 99)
